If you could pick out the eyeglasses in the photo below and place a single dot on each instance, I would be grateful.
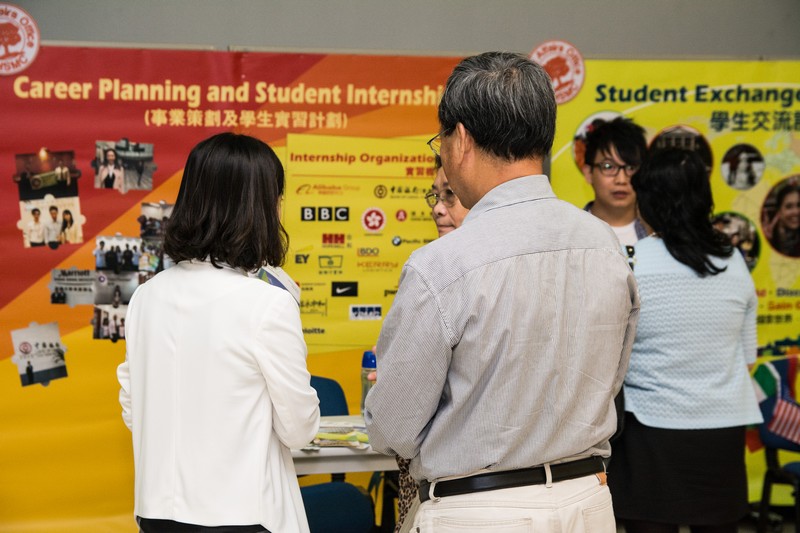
(435, 143)
(611, 169)
(447, 197)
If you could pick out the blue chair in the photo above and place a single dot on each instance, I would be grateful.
(338, 507)
(777, 473)
(332, 401)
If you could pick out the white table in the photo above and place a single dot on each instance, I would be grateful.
(339, 460)
(336, 460)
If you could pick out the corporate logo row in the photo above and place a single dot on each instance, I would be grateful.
(373, 219)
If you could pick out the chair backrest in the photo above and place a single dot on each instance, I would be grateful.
(338, 507)
(332, 401)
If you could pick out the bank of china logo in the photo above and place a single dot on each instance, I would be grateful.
(381, 191)
(19, 39)
(373, 220)
(344, 288)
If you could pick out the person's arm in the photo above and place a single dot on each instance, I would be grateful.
(124, 376)
(749, 337)
(119, 179)
(414, 352)
(281, 355)
(630, 332)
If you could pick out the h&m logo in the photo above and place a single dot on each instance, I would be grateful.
(333, 238)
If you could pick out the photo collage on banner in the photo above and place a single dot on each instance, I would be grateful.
(123, 166)
(40, 354)
(49, 205)
(124, 263)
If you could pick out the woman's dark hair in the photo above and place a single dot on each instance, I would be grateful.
(783, 193)
(117, 162)
(674, 196)
(227, 206)
(64, 224)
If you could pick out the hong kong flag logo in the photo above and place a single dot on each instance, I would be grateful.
(373, 220)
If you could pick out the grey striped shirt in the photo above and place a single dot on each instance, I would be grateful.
(507, 340)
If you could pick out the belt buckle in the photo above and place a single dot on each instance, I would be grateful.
(435, 499)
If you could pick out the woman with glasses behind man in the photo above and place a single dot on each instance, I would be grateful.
(446, 209)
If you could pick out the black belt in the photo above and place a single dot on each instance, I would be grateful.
(512, 478)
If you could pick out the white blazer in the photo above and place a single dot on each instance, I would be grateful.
(215, 390)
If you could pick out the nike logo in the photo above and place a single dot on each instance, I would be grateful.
(344, 288)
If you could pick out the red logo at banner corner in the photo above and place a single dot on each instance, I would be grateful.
(19, 39)
(564, 64)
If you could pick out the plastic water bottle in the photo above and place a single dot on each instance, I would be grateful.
(368, 365)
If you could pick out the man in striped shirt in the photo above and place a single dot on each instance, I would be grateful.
(508, 338)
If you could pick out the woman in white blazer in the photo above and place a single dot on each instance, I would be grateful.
(215, 387)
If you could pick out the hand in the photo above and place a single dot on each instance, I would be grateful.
(373, 376)
(768, 225)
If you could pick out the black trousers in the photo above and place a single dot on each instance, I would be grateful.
(155, 525)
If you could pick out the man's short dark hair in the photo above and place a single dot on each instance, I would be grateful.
(53, 208)
(505, 101)
(35, 211)
(227, 205)
(627, 137)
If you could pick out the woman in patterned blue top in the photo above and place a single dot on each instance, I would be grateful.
(680, 460)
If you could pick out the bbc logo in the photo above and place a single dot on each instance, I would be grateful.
(324, 214)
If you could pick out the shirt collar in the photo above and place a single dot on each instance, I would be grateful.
(517, 190)
(224, 266)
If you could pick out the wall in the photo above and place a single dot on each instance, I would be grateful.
(606, 29)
